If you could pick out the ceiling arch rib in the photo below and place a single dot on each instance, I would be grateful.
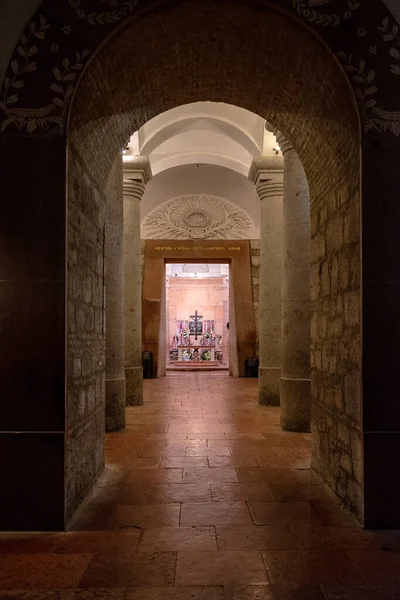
(193, 158)
(201, 122)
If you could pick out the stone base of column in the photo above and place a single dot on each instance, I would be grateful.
(115, 405)
(134, 386)
(269, 386)
(296, 405)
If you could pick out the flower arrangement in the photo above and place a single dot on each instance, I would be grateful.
(206, 355)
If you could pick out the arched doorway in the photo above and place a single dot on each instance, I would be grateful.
(150, 66)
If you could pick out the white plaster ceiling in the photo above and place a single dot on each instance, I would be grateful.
(211, 133)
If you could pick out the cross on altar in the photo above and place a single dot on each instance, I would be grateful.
(196, 318)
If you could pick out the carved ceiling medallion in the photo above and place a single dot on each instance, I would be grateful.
(197, 216)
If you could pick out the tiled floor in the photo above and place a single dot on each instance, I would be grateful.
(204, 498)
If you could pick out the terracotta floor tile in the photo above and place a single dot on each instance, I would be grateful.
(129, 570)
(271, 513)
(255, 537)
(208, 475)
(46, 571)
(120, 494)
(98, 542)
(159, 515)
(293, 568)
(233, 492)
(175, 593)
(215, 513)
(180, 492)
(180, 538)
(220, 568)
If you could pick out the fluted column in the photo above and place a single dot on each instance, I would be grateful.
(267, 175)
(115, 318)
(295, 376)
(136, 175)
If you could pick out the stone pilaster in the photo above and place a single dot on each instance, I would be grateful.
(115, 318)
(267, 175)
(136, 175)
(295, 386)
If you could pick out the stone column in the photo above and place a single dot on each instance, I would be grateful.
(136, 175)
(115, 325)
(295, 376)
(267, 175)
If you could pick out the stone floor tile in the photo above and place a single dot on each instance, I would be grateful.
(98, 542)
(29, 543)
(208, 475)
(333, 514)
(270, 513)
(215, 513)
(277, 475)
(220, 568)
(387, 540)
(71, 594)
(155, 476)
(255, 537)
(271, 592)
(232, 461)
(209, 450)
(295, 568)
(46, 571)
(175, 593)
(92, 518)
(377, 568)
(297, 493)
(157, 515)
(185, 461)
(233, 492)
(130, 570)
(111, 495)
(164, 539)
(336, 538)
(361, 592)
(180, 492)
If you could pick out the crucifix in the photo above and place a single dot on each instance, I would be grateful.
(196, 318)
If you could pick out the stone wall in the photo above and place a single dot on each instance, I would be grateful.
(336, 345)
(85, 334)
(255, 280)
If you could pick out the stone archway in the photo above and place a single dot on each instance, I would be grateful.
(153, 65)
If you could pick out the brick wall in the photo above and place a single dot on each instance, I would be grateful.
(85, 334)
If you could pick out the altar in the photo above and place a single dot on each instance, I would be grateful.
(195, 343)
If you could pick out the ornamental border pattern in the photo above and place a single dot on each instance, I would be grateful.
(372, 55)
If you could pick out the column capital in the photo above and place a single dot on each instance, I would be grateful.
(136, 174)
(266, 172)
(284, 144)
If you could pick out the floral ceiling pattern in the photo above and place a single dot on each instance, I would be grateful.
(64, 33)
(197, 216)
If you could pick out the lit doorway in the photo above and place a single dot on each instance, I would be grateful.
(197, 316)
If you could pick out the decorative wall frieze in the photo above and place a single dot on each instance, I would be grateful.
(198, 216)
(52, 51)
